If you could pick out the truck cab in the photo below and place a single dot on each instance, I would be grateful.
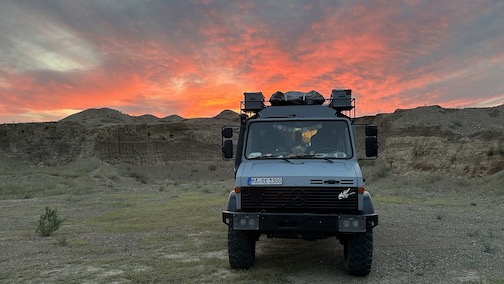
(297, 176)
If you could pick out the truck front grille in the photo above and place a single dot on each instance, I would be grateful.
(297, 199)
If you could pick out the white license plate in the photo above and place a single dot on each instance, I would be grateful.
(264, 180)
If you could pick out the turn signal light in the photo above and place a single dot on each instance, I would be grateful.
(360, 190)
(237, 189)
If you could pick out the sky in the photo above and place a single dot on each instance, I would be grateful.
(197, 58)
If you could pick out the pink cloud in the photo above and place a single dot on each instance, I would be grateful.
(393, 56)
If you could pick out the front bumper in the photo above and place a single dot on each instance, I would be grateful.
(305, 222)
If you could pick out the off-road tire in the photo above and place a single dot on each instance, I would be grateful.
(241, 249)
(358, 253)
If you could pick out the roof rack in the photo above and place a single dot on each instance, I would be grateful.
(341, 100)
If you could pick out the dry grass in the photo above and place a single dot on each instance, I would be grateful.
(122, 230)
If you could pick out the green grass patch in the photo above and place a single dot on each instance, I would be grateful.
(138, 177)
(400, 199)
(496, 281)
(145, 212)
(183, 270)
(16, 190)
(192, 248)
(28, 189)
(383, 172)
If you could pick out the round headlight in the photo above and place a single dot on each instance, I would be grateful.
(346, 223)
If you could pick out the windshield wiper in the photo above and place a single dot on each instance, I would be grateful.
(287, 160)
(329, 160)
(312, 156)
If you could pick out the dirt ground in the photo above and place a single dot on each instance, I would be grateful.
(138, 209)
(432, 229)
(119, 229)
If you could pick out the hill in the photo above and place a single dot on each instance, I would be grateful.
(459, 142)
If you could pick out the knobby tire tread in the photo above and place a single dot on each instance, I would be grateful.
(241, 249)
(359, 254)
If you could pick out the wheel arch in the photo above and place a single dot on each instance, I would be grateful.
(367, 203)
(231, 206)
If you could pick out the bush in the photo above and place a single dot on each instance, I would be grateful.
(49, 222)
(139, 177)
(383, 172)
(212, 167)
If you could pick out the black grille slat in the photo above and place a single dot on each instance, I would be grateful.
(297, 199)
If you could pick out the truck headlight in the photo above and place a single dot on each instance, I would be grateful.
(246, 222)
(352, 224)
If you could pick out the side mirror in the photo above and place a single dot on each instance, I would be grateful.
(227, 132)
(371, 147)
(371, 130)
(227, 149)
(371, 140)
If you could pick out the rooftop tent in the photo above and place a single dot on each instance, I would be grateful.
(296, 98)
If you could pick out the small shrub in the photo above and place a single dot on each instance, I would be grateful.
(383, 172)
(139, 177)
(434, 178)
(62, 242)
(453, 159)
(365, 163)
(495, 152)
(456, 124)
(473, 233)
(212, 167)
(462, 182)
(488, 248)
(49, 222)
(113, 177)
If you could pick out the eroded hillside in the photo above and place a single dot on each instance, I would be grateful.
(460, 142)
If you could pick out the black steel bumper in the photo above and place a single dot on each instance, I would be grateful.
(306, 222)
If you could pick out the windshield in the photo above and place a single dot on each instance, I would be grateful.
(298, 139)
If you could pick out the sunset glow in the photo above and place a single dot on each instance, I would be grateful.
(196, 58)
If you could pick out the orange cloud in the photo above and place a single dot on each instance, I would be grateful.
(197, 59)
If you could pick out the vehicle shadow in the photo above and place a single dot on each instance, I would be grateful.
(297, 255)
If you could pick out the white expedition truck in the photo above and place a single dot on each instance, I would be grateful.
(297, 176)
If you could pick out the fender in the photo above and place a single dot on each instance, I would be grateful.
(367, 205)
(231, 202)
